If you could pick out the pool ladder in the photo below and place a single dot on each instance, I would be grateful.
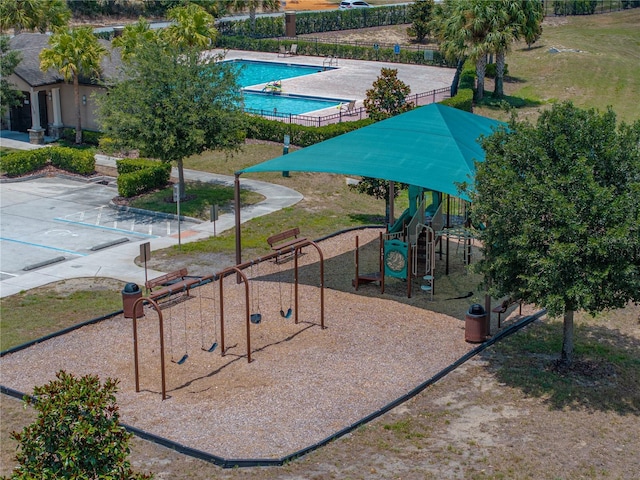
(329, 60)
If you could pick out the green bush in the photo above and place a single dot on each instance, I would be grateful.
(319, 49)
(82, 162)
(462, 101)
(317, 22)
(77, 433)
(468, 75)
(88, 137)
(14, 164)
(261, 128)
(72, 160)
(140, 175)
(574, 7)
(490, 72)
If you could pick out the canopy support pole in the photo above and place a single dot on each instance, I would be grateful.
(236, 207)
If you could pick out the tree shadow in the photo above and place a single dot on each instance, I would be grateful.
(507, 101)
(530, 49)
(605, 374)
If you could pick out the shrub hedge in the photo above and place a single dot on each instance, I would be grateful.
(140, 175)
(261, 128)
(82, 162)
(72, 160)
(89, 137)
(317, 22)
(319, 49)
(462, 101)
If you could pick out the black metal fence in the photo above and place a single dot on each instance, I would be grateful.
(344, 115)
(586, 7)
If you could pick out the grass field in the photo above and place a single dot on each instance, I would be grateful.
(508, 414)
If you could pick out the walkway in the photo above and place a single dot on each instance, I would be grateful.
(118, 261)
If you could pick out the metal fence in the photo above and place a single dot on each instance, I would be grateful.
(417, 100)
(586, 7)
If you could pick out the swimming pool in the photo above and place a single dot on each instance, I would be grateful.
(253, 73)
(258, 102)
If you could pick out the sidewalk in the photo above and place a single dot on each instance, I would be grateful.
(118, 262)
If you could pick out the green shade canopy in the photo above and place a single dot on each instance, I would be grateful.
(432, 147)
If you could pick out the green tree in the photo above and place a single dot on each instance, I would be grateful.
(174, 103)
(512, 20)
(388, 96)
(133, 35)
(74, 53)
(31, 15)
(252, 6)
(531, 29)
(560, 201)
(192, 27)
(77, 433)
(379, 189)
(420, 13)
(9, 60)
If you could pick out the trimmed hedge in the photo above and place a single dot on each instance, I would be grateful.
(89, 137)
(462, 101)
(14, 164)
(318, 49)
(318, 22)
(261, 128)
(140, 175)
(72, 160)
(82, 162)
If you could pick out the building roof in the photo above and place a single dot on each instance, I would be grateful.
(434, 147)
(31, 44)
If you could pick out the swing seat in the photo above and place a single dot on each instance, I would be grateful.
(286, 314)
(255, 318)
(183, 359)
(211, 348)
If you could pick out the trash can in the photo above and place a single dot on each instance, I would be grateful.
(130, 293)
(476, 324)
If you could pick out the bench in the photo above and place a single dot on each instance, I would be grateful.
(171, 283)
(288, 238)
(504, 306)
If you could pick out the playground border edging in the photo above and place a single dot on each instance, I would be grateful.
(266, 462)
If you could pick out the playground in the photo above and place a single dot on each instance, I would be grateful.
(304, 383)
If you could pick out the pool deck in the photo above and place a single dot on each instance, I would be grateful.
(351, 79)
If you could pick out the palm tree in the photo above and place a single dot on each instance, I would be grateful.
(462, 27)
(192, 27)
(74, 52)
(512, 20)
(33, 15)
(507, 20)
(132, 36)
(252, 6)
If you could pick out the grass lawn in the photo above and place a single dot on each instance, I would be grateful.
(597, 65)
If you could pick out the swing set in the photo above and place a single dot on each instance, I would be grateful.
(250, 295)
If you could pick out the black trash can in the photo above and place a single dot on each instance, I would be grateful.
(130, 293)
(476, 324)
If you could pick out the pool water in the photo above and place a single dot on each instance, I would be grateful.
(286, 104)
(252, 73)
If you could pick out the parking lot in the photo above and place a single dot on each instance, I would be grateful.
(49, 220)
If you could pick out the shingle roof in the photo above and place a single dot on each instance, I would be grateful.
(31, 44)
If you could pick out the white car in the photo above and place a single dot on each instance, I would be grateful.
(349, 4)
